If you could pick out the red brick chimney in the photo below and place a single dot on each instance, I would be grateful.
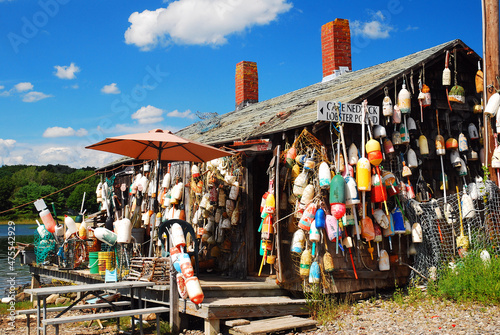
(247, 84)
(336, 48)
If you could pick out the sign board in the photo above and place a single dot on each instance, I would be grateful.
(349, 113)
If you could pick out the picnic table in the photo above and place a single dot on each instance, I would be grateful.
(87, 289)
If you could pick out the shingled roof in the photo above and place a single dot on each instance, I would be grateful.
(298, 108)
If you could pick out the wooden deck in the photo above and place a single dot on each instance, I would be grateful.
(225, 298)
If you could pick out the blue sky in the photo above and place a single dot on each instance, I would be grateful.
(75, 72)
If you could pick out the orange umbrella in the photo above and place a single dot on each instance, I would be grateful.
(160, 145)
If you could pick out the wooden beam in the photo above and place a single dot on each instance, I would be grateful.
(491, 69)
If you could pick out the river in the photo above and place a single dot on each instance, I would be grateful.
(22, 233)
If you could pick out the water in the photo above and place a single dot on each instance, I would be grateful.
(24, 234)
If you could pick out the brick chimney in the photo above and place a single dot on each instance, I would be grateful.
(247, 84)
(336, 48)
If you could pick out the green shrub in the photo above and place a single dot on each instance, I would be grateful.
(469, 279)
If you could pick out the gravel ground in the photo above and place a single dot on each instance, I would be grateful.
(381, 316)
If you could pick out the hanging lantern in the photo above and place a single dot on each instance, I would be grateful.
(324, 176)
(387, 109)
(404, 100)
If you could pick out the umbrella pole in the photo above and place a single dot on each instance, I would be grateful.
(156, 207)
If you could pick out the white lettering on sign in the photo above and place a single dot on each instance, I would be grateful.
(349, 113)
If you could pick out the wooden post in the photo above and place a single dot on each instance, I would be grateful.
(491, 70)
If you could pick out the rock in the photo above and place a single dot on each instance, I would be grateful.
(22, 296)
(149, 317)
(51, 299)
(7, 300)
(61, 301)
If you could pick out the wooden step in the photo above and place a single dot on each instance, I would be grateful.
(273, 325)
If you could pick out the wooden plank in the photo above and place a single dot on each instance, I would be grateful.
(110, 315)
(45, 291)
(76, 307)
(231, 308)
(237, 322)
(273, 325)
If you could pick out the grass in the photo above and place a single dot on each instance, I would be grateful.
(324, 307)
(470, 280)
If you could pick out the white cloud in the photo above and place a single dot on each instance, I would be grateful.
(185, 115)
(200, 22)
(64, 132)
(23, 87)
(66, 72)
(409, 28)
(34, 96)
(6, 146)
(149, 114)
(110, 89)
(375, 29)
(2, 87)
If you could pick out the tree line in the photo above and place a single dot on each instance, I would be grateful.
(23, 184)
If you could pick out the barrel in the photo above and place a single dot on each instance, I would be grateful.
(94, 262)
(106, 261)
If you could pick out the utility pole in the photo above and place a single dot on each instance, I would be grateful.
(491, 67)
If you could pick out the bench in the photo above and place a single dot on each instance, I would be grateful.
(111, 315)
(28, 312)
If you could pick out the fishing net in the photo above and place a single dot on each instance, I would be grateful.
(45, 246)
(443, 230)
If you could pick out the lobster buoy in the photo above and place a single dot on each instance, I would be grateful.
(300, 183)
(305, 263)
(383, 263)
(307, 195)
(314, 273)
(387, 108)
(363, 174)
(308, 216)
(195, 171)
(290, 157)
(324, 176)
(351, 191)
(399, 223)
(462, 143)
(194, 290)
(337, 196)
(331, 227)
(267, 228)
(404, 100)
(374, 152)
(492, 105)
(298, 241)
(423, 145)
(314, 235)
(416, 233)
(378, 191)
(353, 154)
(388, 146)
(320, 218)
(270, 206)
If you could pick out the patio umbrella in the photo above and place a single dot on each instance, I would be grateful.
(160, 145)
